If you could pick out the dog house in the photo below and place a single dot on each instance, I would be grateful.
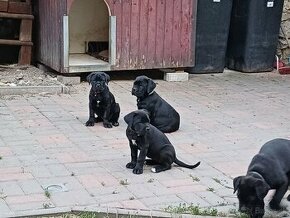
(75, 36)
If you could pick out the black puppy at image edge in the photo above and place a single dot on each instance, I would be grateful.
(162, 115)
(269, 169)
(102, 101)
(151, 142)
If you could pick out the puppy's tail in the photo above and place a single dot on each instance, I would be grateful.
(180, 163)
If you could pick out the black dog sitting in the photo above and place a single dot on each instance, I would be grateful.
(102, 101)
(269, 169)
(151, 142)
(162, 115)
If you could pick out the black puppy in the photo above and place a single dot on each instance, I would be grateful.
(269, 169)
(162, 115)
(151, 142)
(102, 101)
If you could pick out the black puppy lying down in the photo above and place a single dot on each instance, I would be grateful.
(269, 169)
(162, 115)
(102, 101)
(151, 142)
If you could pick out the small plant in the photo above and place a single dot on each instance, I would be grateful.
(46, 205)
(124, 182)
(150, 180)
(89, 215)
(194, 178)
(210, 189)
(0, 158)
(115, 192)
(72, 174)
(192, 209)
(47, 193)
(2, 195)
(103, 184)
(132, 198)
(235, 213)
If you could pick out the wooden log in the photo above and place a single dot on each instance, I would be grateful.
(16, 16)
(14, 42)
(25, 55)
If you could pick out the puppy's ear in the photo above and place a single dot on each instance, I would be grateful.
(262, 188)
(107, 77)
(129, 119)
(89, 77)
(145, 117)
(237, 182)
(150, 85)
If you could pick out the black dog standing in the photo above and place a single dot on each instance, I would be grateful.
(102, 101)
(151, 142)
(162, 115)
(269, 169)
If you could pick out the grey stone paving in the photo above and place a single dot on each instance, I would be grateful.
(225, 118)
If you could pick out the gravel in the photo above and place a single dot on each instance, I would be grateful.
(14, 75)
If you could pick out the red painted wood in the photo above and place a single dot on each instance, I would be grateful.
(151, 52)
(160, 25)
(135, 33)
(193, 33)
(143, 38)
(186, 27)
(176, 41)
(168, 32)
(126, 26)
(49, 41)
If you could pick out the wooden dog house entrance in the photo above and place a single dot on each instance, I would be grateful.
(88, 32)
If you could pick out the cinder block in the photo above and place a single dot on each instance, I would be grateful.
(177, 76)
(69, 80)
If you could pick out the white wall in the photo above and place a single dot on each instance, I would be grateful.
(88, 21)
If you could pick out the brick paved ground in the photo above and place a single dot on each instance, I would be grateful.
(225, 118)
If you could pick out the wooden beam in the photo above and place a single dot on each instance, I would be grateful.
(16, 16)
(14, 42)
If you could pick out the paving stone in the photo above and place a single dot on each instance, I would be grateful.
(19, 199)
(10, 188)
(72, 198)
(31, 187)
(4, 209)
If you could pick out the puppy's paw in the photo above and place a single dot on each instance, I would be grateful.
(275, 206)
(131, 165)
(107, 125)
(98, 119)
(115, 124)
(137, 170)
(90, 122)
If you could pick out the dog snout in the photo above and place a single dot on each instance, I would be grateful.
(244, 209)
(134, 90)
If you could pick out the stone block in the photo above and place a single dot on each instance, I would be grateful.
(69, 80)
(177, 76)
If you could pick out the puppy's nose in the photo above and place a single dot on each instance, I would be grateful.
(243, 209)
(134, 90)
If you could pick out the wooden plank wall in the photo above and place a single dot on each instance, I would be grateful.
(49, 44)
(154, 33)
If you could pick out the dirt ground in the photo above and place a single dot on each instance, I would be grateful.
(14, 75)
